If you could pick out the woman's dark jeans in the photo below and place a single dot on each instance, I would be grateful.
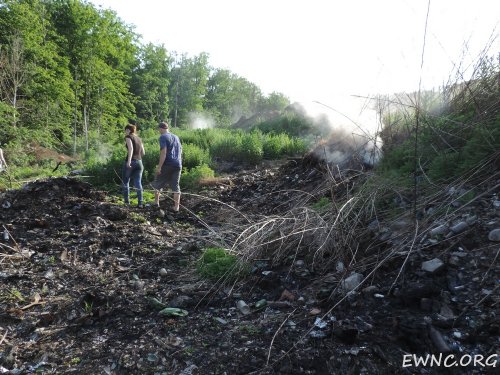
(134, 173)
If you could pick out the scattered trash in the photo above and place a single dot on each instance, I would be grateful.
(173, 311)
(243, 307)
(156, 303)
(221, 321)
(320, 323)
(260, 304)
(153, 358)
(317, 334)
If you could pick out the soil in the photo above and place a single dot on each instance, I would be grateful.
(83, 280)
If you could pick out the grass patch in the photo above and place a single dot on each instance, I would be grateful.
(216, 263)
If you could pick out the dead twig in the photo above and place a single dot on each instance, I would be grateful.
(276, 334)
(4, 336)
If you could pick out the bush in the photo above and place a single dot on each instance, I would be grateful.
(292, 124)
(194, 156)
(279, 145)
(251, 150)
(226, 146)
(191, 178)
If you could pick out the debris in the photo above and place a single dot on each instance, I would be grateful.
(243, 307)
(173, 311)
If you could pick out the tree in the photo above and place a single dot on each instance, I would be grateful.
(188, 87)
(150, 83)
(13, 74)
(102, 55)
(276, 101)
(38, 75)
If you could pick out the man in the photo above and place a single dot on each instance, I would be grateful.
(168, 171)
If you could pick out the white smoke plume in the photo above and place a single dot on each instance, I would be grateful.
(198, 120)
(353, 127)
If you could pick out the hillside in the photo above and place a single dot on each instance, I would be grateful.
(83, 279)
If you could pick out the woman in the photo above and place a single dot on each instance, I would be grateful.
(133, 167)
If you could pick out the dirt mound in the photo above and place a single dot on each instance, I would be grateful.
(83, 280)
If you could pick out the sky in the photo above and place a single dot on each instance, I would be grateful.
(319, 49)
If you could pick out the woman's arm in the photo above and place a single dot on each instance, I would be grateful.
(130, 149)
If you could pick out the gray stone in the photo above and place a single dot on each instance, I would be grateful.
(460, 227)
(440, 230)
(432, 265)
(494, 235)
(352, 282)
(340, 267)
(163, 272)
(471, 220)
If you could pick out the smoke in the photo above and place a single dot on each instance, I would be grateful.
(350, 128)
(102, 152)
(198, 120)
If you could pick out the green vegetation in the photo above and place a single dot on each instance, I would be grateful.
(441, 147)
(201, 148)
(12, 295)
(322, 204)
(217, 264)
(73, 74)
(190, 178)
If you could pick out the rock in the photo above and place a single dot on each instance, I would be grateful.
(494, 235)
(370, 289)
(439, 231)
(433, 265)
(340, 267)
(374, 226)
(181, 301)
(352, 282)
(471, 220)
(446, 312)
(163, 272)
(460, 227)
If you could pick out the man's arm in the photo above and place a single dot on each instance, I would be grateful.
(163, 156)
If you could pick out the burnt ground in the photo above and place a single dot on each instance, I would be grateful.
(82, 281)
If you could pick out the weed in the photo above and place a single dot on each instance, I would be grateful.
(14, 295)
(87, 307)
(249, 329)
(322, 205)
(75, 361)
(216, 263)
(137, 217)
